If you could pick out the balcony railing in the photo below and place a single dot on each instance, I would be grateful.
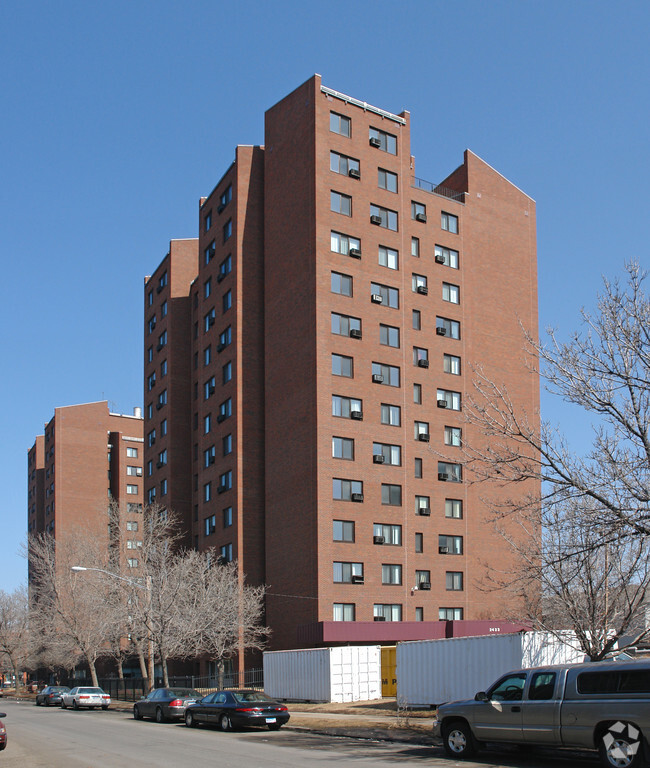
(438, 189)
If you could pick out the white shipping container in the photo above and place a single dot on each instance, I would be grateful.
(431, 672)
(350, 673)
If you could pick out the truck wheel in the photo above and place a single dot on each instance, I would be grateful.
(620, 746)
(457, 740)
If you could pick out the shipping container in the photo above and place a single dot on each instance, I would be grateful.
(431, 672)
(347, 673)
(388, 670)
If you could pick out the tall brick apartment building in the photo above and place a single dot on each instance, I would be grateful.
(85, 457)
(306, 364)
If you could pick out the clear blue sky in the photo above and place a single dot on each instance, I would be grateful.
(117, 117)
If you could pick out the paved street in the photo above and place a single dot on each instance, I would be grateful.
(55, 738)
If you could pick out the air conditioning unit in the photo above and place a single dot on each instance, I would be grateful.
(376, 298)
(356, 415)
(377, 378)
(443, 550)
(378, 539)
(379, 618)
(211, 320)
(159, 288)
(221, 418)
(375, 220)
(221, 207)
(424, 585)
(354, 173)
(355, 333)
(441, 331)
(221, 347)
(424, 511)
(211, 390)
(442, 403)
(355, 253)
(211, 460)
(159, 464)
(443, 477)
(439, 258)
(220, 276)
(152, 441)
(138, 470)
(159, 347)
(377, 459)
(423, 363)
(222, 489)
(357, 497)
(374, 142)
(159, 406)
(357, 579)
(423, 437)
(422, 289)
(421, 217)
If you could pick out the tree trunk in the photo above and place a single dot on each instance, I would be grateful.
(93, 672)
(143, 665)
(221, 670)
(163, 664)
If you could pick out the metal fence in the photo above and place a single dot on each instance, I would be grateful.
(438, 189)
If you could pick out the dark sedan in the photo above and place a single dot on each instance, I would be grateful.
(232, 709)
(3, 733)
(165, 703)
(51, 695)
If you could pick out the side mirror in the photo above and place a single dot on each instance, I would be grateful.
(481, 696)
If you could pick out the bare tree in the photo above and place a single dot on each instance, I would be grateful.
(14, 630)
(594, 510)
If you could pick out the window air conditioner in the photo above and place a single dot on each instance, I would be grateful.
(356, 497)
(356, 415)
(159, 288)
(152, 441)
(439, 258)
(374, 142)
(423, 437)
(424, 511)
(380, 618)
(159, 347)
(222, 489)
(221, 207)
(378, 539)
(422, 289)
(354, 173)
(423, 363)
(159, 464)
(220, 276)
(159, 406)
(441, 331)
(442, 403)
(443, 477)
(421, 217)
(375, 220)
(356, 579)
(221, 418)
(221, 347)
(211, 460)
(355, 333)
(424, 585)
(376, 298)
(355, 253)
(443, 550)
(377, 459)
(377, 378)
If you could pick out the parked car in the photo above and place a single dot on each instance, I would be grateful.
(3, 733)
(603, 706)
(165, 703)
(51, 695)
(232, 709)
(83, 696)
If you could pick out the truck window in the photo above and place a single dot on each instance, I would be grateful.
(542, 686)
(508, 689)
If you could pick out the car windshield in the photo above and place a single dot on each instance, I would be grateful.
(251, 696)
(59, 689)
(184, 693)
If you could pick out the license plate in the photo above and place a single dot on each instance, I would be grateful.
(270, 719)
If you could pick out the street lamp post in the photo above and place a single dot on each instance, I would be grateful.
(147, 589)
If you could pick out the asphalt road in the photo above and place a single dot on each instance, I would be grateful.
(55, 738)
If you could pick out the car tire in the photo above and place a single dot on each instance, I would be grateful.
(104, 706)
(458, 741)
(275, 726)
(224, 723)
(620, 746)
(190, 722)
(47, 703)
(74, 704)
(136, 713)
(37, 702)
(160, 718)
(63, 704)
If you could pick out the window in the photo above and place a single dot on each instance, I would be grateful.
(343, 324)
(388, 611)
(342, 365)
(151, 438)
(151, 496)
(340, 203)
(151, 381)
(341, 284)
(207, 288)
(451, 293)
(417, 320)
(225, 481)
(343, 164)
(422, 502)
(420, 353)
(454, 508)
(207, 221)
(391, 574)
(131, 525)
(450, 545)
(226, 444)
(389, 374)
(226, 301)
(417, 394)
(225, 198)
(226, 372)
(451, 399)
(162, 340)
(225, 338)
(207, 355)
(225, 268)
(227, 230)
(418, 282)
(131, 453)
(225, 409)
(449, 222)
(344, 406)
(418, 211)
(391, 495)
(162, 281)
(343, 612)
(450, 614)
(149, 468)
(342, 490)
(210, 525)
(392, 534)
(162, 458)
(453, 436)
(225, 554)
(207, 424)
(421, 428)
(446, 256)
(419, 614)
(209, 455)
(163, 309)
(389, 335)
(384, 141)
(388, 257)
(415, 247)
(383, 217)
(342, 530)
(340, 243)
(150, 355)
(209, 252)
(454, 581)
(340, 124)
(209, 319)
(452, 473)
(391, 414)
(163, 368)
(418, 467)
(447, 327)
(391, 454)
(152, 324)
(227, 517)
(343, 572)
(542, 686)
(132, 562)
(389, 296)
(163, 487)
(343, 448)
(423, 577)
(150, 299)
(451, 364)
(419, 542)
(132, 489)
(386, 180)
(209, 387)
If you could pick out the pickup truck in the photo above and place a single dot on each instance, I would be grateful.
(602, 705)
